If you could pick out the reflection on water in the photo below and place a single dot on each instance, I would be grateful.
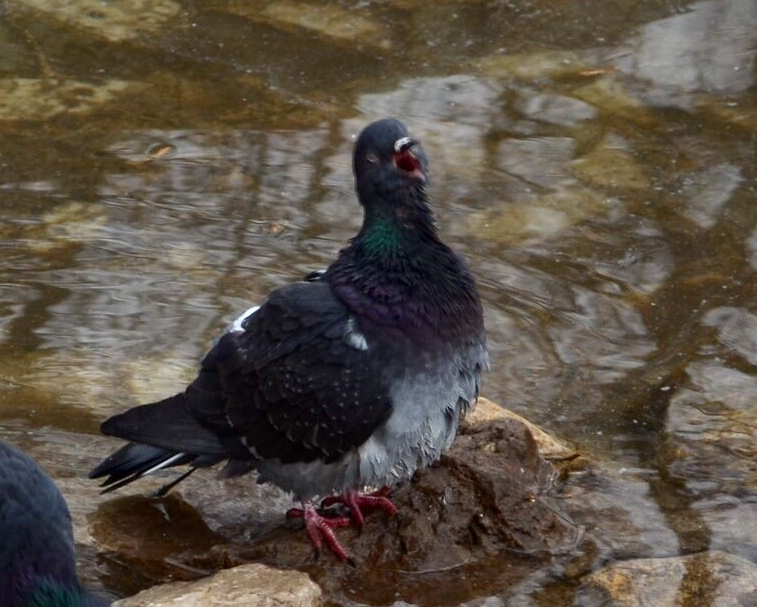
(599, 176)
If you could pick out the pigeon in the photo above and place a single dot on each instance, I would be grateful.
(353, 378)
(37, 560)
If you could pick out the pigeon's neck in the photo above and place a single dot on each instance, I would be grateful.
(398, 274)
(394, 231)
(381, 237)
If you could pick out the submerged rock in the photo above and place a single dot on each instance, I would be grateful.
(538, 218)
(611, 164)
(42, 99)
(535, 65)
(707, 578)
(114, 21)
(331, 21)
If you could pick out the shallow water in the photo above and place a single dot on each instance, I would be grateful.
(594, 161)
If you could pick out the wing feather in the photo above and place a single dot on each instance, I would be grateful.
(292, 383)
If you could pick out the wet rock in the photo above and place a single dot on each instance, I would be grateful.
(147, 378)
(162, 539)
(549, 447)
(739, 115)
(73, 222)
(241, 586)
(484, 511)
(490, 601)
(521, 224)
(708, 578)
(455, 99)
(737, 330)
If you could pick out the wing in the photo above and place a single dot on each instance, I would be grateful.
(297, 383)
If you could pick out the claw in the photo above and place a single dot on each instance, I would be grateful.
(320, 523)
(320, 529)
(355, 500)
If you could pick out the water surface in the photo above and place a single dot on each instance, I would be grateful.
(594, 161)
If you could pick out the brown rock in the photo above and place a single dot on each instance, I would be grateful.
(483, 511)
(241, 586)
(549, 447)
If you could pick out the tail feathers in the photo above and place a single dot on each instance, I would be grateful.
(135, 460)
(164, 435)
(167, 424)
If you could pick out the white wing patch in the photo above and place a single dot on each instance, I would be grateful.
(354, 337)
(236, 324)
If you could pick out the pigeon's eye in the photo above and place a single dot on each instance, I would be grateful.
(371, 157)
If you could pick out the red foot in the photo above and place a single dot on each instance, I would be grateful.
(355, 500)
(320, 528)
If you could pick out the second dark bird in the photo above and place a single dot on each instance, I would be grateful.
(37, 559)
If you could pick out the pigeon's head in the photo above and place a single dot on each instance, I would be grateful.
(386, 159)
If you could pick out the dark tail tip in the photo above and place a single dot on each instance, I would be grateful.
(134, 460)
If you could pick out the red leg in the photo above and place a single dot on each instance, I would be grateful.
(355, 500)
(320, 528)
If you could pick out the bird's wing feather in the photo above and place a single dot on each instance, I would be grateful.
(297, 383)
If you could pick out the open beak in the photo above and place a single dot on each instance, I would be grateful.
(405, 160)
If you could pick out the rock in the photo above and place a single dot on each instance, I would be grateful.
(241, 586)
(549, 447)
(711, 423)
(707, 578)
(483, 511)
(735, 115)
